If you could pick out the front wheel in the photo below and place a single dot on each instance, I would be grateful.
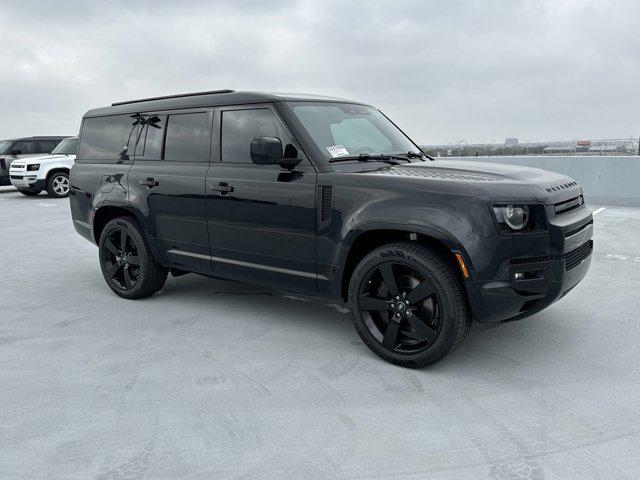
(58, 185)
(407, 304)
(126, 260)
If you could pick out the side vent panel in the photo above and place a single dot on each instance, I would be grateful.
(325, 206)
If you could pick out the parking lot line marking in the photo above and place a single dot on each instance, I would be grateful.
(601, 209)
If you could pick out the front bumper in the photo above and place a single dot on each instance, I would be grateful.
(512, 300)
(524, 285)
(23, 181)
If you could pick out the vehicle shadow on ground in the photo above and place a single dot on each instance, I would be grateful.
(331, 322)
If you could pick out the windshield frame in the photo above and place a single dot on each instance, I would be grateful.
(318, 157)
(62, 143)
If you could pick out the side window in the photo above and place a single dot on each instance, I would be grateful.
(25, 147)
(239, 127)
(46, 146)
(103, 138)
(186, 134)
(149, 145)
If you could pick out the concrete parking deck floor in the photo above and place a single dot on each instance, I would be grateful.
(215, 380)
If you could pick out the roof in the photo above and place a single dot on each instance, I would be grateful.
(208, 99)
(41, 137)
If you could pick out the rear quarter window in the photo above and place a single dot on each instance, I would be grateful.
(103, 138)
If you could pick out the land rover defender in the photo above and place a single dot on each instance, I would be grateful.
(22, 148)
(326, 197)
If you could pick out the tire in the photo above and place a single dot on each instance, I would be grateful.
(29, 193)
(58, 185)
(408, 305)
(128, 265)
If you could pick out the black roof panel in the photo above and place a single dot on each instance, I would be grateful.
(41, 137)
(206, 99)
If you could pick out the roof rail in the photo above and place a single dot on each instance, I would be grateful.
(195, 94)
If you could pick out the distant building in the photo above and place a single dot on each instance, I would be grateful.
(511, 142)
(558, 150)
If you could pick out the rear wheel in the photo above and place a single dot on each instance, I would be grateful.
(407, 305)
(58, 185)
(126, 260)
(29, 193)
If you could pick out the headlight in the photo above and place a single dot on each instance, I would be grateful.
(515, 217)
(34, 167)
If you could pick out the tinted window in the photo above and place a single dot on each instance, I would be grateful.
(68, 146)
(103, 138)
(24, 147)
(239, 127)
(46, 146)
(150, 145)
(185, 138)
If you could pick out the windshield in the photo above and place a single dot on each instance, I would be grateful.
(68, 146)
(4, 146)
(344, 130)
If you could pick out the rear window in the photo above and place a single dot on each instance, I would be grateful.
(186, 134)
(103, 138)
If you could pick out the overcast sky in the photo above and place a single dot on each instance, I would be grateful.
(444, 70)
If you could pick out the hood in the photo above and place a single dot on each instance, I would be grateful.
(504, 181)
(43, 159)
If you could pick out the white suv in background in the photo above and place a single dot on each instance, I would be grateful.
(34, 174)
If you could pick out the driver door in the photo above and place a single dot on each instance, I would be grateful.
(261, 218)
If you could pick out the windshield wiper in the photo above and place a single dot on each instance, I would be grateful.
(364, 157)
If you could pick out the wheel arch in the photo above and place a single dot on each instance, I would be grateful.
(359, 243)
(105, 213)
(57, 170)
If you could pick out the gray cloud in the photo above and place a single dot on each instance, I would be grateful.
(480, 70)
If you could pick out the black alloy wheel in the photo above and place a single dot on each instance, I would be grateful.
(126, 260)
(121, 259)
(400, 307)
(408, 304)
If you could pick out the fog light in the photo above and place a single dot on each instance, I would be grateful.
(518, 276)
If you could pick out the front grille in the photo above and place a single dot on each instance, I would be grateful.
(567, 206)
(16, 177)
(575, 257)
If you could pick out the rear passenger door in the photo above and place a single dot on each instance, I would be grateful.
(262, 221)
(167, 183)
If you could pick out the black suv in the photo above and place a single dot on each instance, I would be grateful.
(326, 197)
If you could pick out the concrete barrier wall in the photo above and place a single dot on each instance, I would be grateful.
(604, 180)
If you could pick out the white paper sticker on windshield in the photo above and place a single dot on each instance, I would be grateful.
(338, 151)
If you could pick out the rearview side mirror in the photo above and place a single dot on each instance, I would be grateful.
(266, 150)
(15, 151)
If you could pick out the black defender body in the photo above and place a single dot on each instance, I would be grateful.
(325, 197)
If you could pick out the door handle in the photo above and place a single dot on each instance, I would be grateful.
(223, 187)
(150, 182)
